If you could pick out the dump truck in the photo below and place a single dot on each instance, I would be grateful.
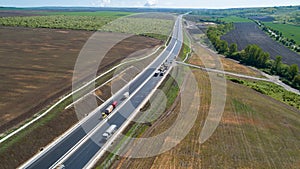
(109, 109)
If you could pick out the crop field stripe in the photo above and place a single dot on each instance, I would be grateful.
(248, 33)
(289, 31)
(101, 13)
(234, 19)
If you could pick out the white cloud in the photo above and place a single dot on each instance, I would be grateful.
(104, 3)
(101, 3)
(150, 3)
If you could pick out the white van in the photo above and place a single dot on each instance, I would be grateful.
(110, 131)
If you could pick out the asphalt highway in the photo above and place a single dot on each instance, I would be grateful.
(139, 89)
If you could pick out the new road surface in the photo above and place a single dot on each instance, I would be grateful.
(78, 146)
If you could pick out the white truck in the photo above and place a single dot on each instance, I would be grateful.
(60, 166)
(125, 95)
(110, 131)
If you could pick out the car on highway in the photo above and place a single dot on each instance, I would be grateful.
(110, 131)
(157, 72)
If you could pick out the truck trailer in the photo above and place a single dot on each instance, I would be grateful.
(109, 109)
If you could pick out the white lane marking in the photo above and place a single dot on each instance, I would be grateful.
(38, 155)
(109, 80)
(91, 133)
(67, 96)
(98, 155)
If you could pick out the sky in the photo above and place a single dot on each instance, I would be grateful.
(151, 3)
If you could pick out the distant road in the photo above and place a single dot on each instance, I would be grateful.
(77, 147)
(269, 78)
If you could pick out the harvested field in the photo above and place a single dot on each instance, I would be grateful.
(234, 19)
(195, 31)
(9, 13)
(150, 24)
(263, 18)
(252, 134)
(213, 60)
(25, 147)
(15, 151)
(153, 15)
(37, 67)
(204, 57)
(249, 33)
(255, 131)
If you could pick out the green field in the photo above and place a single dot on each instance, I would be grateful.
(141, 25)
(288, 31)
(64, 20)
(100, 13)
(158, 26)
(234, 19)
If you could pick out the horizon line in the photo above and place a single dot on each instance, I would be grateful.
(144, 7)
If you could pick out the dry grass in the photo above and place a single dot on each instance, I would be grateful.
(256, 131)
(202, 55)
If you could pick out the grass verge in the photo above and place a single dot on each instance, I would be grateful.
(272, 90)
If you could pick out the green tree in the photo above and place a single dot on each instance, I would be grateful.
(284, 71)
(277, 65)
(262, 60)
(255, 56)
(293, 71)
(222, 46)
(232, 49)
(296, 81)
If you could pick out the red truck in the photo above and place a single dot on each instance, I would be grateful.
(109, 109)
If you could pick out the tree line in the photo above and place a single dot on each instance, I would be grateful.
(278, 36)
(253, 55)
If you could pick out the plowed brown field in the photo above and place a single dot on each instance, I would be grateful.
(37, 65)
(249, 33)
